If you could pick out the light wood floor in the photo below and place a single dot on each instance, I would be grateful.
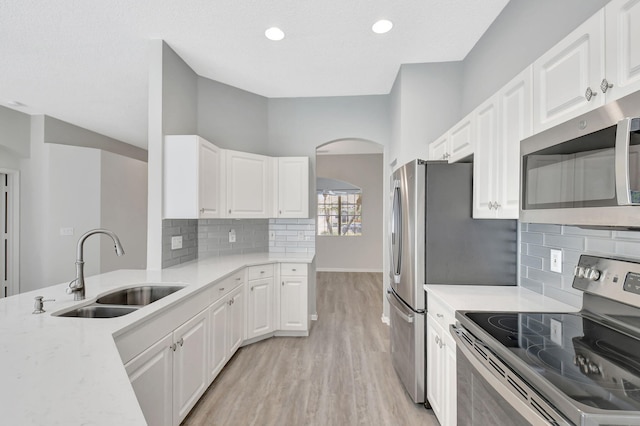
(340, 375)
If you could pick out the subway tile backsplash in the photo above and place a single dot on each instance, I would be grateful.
(210, 237)
(292, 236)
(537, 240)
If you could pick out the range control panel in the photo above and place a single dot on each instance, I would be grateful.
(616, 279)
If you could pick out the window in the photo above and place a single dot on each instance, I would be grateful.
(340, 214)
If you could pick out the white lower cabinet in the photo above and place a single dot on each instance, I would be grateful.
(441, 372)
(226, 329)
(294, 298)
(260, 301)
(170, 376)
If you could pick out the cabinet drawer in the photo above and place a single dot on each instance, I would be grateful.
(293, 269)
(260, 271)
(440, 312)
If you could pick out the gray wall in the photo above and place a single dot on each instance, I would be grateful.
(232, 118)
(522, 33)
(14, 132)
(425, 102)
(538, 239)
(61, 132)
(298, 125)
(363, 253)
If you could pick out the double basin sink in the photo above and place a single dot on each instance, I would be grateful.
(122, 302)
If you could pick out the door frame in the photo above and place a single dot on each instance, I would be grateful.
(13, 247)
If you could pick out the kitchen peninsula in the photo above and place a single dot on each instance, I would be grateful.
(69, 370)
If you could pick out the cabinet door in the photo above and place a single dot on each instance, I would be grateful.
(623, 47)
(218, 329)
(260, 308)
(485, 159)
(209, 190)
(450, 406)
(189, 365)
(249, 185)
(293, 304)
(235, 330)
(461, 139)
(564, 73)
(293, 187)
(435, 368)
(515, 124)
(151, 377)
(439, 149)
(180, 177)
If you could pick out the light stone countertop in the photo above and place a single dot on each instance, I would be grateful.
(67, 371)
(495, 298)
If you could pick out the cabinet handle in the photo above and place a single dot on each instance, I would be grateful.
(490, 205)
(294, 270)
(282, 283)
(201, 210)
(440, 315)
(279, 211)
(181, 342)
(262, 272)
(229, 211)
(605, 85)
(496, 205)
(238, 278)
(437, 339)
(588, 94)
(173, 347)
(221, 289)
(252, 288)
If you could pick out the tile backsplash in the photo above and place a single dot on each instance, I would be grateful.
(210, 237)
(537, 240)
(252, 236)
(293, 236)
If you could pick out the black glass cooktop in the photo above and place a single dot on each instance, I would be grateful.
(589, 362)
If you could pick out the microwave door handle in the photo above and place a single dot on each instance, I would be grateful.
(623, 135)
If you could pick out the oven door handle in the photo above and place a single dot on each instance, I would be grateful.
(464, 342)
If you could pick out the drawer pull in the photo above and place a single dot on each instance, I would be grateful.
(221, 289)
(238, 278)
(440, 315)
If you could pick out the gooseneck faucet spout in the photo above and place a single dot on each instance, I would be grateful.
(77, 286)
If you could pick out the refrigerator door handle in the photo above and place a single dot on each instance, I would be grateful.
(396, 232)
(401, 311)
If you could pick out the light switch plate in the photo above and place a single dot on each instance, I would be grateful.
(556, 261)
(556, 331)
(232, 235)
(176, 242)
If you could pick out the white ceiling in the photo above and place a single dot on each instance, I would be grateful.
(85, 61)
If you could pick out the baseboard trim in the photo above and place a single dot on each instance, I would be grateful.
(385, 320)
(348, 270)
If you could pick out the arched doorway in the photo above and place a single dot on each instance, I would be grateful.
(350, 199)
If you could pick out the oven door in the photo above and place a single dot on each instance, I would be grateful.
(489, 395)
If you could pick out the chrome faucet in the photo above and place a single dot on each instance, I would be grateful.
(77, 286)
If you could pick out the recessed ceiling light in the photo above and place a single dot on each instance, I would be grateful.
(274, 34)
(382, 26)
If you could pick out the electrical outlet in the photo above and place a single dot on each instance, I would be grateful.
(176, 242)
(272, 235)
(66, 231)
(301, 235)
(556, 331)
(232, 235)
(556, 261)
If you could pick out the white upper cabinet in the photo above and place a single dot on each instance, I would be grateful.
(501, 123)
(250, 187)
(456, 144)
(193, 184)
(293, 187)
(439, 149)
(567, 77)
(622, 48)
(461, 139)
(597, 63)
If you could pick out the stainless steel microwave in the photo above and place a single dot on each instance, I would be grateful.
(585, 171)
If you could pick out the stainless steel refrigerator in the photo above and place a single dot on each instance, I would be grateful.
(434, 240)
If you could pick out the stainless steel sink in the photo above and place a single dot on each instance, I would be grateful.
(138, 296)
(98, 311)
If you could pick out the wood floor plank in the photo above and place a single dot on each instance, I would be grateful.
(340, 375)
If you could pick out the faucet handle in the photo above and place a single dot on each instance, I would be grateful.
(38, 306)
